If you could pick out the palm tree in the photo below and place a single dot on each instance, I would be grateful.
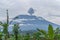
(5, 27)
(7, 21)
(7, 17)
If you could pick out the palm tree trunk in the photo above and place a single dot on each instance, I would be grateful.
(8, 22)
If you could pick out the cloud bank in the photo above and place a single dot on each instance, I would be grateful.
(42, 8)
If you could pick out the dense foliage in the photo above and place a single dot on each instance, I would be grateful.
(39, 35)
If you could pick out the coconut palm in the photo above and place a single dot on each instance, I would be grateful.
(7, 21)
(5, 26)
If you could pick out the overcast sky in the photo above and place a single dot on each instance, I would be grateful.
(48, 9)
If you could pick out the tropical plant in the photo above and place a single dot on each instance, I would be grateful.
(51, 32)
(0, 35)
(47, 35)
(27, 37)
(5, 29)
(36, 35)
(15, 30)
(57, 34)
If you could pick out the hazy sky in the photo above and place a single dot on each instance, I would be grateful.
(48, 9)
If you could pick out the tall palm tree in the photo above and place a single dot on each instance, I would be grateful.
(7, 17)
(7, 21)
(5, 26)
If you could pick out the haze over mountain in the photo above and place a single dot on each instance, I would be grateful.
(31, 22)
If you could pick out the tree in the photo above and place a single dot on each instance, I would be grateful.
(5, 26)
(7, 17)
(7, 21)
(31, 11)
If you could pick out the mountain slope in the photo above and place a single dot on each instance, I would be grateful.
(28, 22)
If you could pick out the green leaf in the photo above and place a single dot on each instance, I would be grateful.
(50, 32)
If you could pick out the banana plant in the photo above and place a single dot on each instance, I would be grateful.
(47, 35)
(57, 31)
(36, 35)
(57, 34)
(27, 36)
(51, 32)
(5, 29)
(15, 30)
(1, 35)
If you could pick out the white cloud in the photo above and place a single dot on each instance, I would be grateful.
(41, 7)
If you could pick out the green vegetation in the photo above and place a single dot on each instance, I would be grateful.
(39, 35)
(15, 30)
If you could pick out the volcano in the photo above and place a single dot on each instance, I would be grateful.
(31, 22)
